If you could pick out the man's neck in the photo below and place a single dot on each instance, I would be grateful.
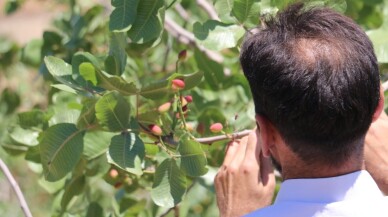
(300, 170)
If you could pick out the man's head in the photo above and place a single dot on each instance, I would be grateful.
(313, 74)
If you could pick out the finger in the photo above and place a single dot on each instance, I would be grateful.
(240, 152)
(253, 147)
(230, 152)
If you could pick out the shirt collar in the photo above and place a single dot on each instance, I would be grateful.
(354, 185)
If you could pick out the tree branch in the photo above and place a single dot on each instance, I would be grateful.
(182, 12)
(210, 140)
(206, 6)
(15, 186)
(186, 37)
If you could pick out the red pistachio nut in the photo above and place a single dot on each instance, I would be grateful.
(113, 173)
(155, 129)
(177, 84)
(164, 107)
(216, 127)
(189, 98)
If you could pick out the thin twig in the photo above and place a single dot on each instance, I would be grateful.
(210, 140)
(206, 6)
(186, 37)
(182, 12)
(15, 186)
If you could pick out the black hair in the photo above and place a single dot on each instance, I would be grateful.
(313, 74)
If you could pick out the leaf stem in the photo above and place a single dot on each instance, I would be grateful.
(16, 188)
(163, 146)
(181, 111)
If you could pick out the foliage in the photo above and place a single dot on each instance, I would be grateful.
(94, 141)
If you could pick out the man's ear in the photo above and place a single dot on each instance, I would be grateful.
(380, 105)
(264, 134)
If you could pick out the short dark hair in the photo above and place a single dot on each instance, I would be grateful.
(313, 73)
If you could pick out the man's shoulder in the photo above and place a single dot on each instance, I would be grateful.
(375, 208)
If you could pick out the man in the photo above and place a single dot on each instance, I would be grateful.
(315, 83)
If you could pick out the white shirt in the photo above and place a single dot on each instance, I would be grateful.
(351, 195)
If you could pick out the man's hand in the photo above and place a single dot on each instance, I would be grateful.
(245, 181)
(376, 152)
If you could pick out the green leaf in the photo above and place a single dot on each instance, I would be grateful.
(116, 83)
(61, 148)
(213, 71)
(338, 5)
(33, 118)
(61, 71)
(95, 210)
(127, 152)
(73, 188)
(12, 147)
(193, 159)
(24, 136)
(117, 54)
(380, 43)
(224, 10)
(31, 53)
(96, 143)
(241, 9)
(149, 21)
(33, 154)
(169, 184)
(65, 88)
(80, 58)
(156, 90)
(132, 207)
(88, 72)
(215, 35)
(112, 112)
(88, 114)
(123, 16)
(191, 80)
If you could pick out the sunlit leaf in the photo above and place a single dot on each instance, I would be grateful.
(224, 10)
(380, 43)
(112, 112)
(88, 72)
(61, 71)
(96, 143)
(61, 148)
(241, 9)
(24, 136)
(127, 152)
(215, 35)
(169, 184)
